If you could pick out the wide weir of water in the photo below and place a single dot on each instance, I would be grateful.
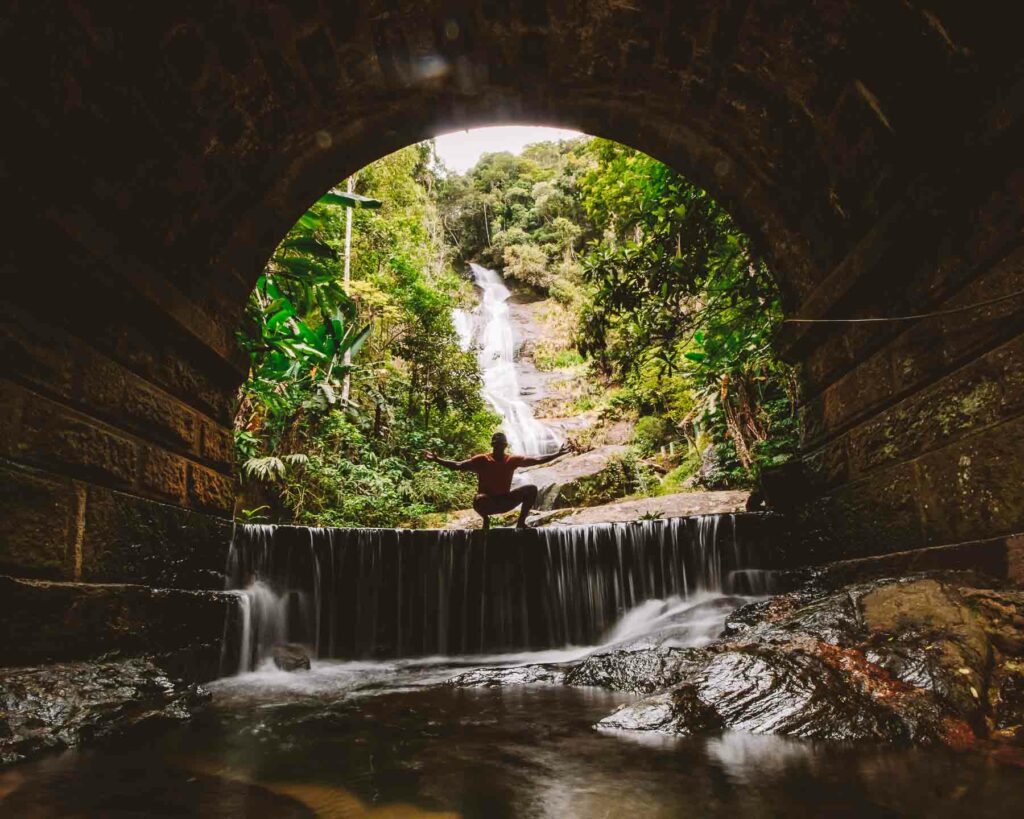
(377, 729)
(387, 593)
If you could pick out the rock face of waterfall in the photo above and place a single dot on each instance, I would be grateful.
(491, 329)
(385, 593)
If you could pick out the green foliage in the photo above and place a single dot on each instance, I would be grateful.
(682, 313)
(651, 285)
(547, 360)
(528, 264)
(624, 475)
(257, 515)
(651, 433)
(409, 385)
(272, 468)
(519, 213)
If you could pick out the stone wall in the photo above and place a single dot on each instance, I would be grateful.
(912, 431)
(154, 154)
(116, 458)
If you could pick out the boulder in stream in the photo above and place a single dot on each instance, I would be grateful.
(681, 711)
(581, 479)
(291, 657)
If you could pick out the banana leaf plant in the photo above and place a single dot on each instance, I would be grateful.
(304, 321)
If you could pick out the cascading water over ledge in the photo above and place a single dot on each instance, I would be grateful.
(491, 327)
(392, 593)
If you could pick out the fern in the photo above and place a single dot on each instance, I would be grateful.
(271, 468)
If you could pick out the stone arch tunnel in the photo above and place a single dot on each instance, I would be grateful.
(154, 154)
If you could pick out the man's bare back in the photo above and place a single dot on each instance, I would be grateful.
(494, 471)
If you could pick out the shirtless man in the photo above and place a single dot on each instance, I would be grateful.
(494, 469)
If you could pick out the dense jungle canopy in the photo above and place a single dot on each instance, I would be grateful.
(665, 317)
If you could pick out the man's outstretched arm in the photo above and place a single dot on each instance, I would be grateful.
(543, 459)
(461, 466)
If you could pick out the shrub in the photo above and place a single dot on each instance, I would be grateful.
(528, 264)
(651, 433)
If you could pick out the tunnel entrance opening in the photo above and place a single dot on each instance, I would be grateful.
(629, 321)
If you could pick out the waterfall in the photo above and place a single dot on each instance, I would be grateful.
(392, 593)
(526, 435)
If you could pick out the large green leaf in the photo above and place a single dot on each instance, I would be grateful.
(310, 221)
(311, 246)
(358, 340)
(349, 200)
(280, 317)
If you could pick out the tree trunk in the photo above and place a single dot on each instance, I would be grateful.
(347, 383)
(732, 424)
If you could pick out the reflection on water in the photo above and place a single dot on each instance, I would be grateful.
(391, 740)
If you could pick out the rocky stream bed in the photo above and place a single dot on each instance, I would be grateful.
(928, 660)
(891, 697)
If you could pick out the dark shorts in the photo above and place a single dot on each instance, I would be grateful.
(497, 504)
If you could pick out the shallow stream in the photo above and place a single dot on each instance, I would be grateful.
(392, 739)
(377, 728)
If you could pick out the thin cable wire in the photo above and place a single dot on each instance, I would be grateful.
(950, 312)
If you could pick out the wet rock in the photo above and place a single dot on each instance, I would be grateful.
(830, 618)
(812, 692)
(917, 660)
(929, 637)
(640, 671)
(52, 707)
(291, 657)
(1007, 700)
(514, 675)
(1002, 617)
(677, 505)
(680, 712)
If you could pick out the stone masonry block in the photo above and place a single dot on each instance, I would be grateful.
(11, 406)
(184, 379)
(982, 393)
(38, 514)
(873, 516)
(36, 353)
(160, 414)
(44, 621)
(965, 401)
(102, 383)
(58, 437)
(135, 540)
(209, 490)
(164, 474)
(974, 485)
(828, 465)
(1015, 560)
(867, 386)
(218, 444)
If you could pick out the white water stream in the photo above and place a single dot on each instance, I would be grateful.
(490, 327)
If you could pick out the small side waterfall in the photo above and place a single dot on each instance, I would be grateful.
(388, 593)
(526, 435)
